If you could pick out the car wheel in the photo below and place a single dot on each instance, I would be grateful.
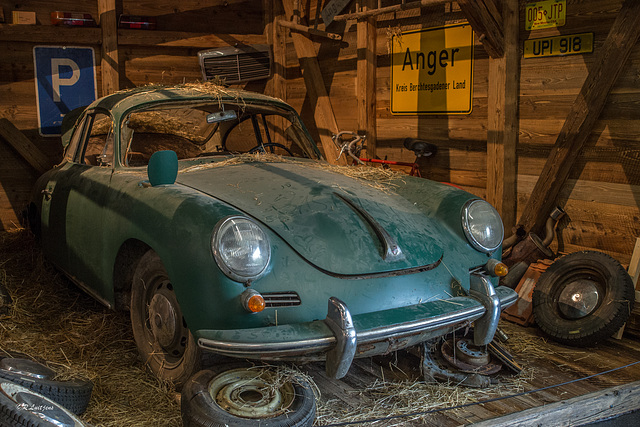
(20, 406)
(247, 396)
(73, 395)
(583, 298)
(163, 339)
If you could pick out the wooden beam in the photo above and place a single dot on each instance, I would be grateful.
(371, 12)
(309, 30)
(109, 64)
(323, 110)
(502, 129)
(277, 38)
(583, 115)
(579, 410)
(485, 24)
(32, 154)
(366, 77)
(50, 34)
(184, 39)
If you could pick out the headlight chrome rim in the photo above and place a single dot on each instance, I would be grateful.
(467, 227)
(218, 256)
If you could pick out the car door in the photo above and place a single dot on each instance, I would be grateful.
(74, 204)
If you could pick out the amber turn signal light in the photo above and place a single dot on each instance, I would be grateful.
(500, 269)
(252, 301)
(496, 268)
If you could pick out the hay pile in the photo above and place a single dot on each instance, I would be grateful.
(51, 320)
(379, 178)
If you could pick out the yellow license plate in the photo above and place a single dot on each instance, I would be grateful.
(545, 14)
(570, 44)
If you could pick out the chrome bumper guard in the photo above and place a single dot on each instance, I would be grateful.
(338, 335)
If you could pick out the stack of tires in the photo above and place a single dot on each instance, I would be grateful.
(29, 395)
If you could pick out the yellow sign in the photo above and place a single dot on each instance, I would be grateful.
(545, 14)
(570, 44)
(432, 71)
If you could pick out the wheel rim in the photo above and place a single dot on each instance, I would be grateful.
(27, 368)
(252, 393)
(579, 298)
(42, 407)
(164, 323)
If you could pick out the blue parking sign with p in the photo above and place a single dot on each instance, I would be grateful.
(65, 80)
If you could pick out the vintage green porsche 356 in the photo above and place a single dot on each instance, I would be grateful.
(210, 214)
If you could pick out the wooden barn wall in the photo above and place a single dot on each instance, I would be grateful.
(166, 55)
(602, 196)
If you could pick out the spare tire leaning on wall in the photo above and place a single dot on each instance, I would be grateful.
(583, 298)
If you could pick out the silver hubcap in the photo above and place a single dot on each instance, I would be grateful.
(252, 393)
(579, 299)
(163, 320)
(27, 368)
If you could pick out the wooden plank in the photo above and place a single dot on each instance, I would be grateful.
(185, 39)
(323, 110)
(109, 64)
(50, 34)
(583, 115)
(372, 12)
(485, 25)
(502, 129)
(39, 161)
(596, 406)
(309, 30)
(366, 77)
(590, 191)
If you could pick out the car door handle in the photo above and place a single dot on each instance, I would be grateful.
(47, 194)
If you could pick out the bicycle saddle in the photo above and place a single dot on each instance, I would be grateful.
(420, 147)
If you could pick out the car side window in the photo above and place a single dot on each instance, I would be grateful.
(98, 140)
(72, 148)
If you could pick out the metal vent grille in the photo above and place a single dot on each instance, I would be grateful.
(236, 65)
(281, 299)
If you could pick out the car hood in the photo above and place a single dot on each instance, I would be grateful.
(340, 224)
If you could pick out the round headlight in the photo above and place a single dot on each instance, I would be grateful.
(482, 225)
(241, 248)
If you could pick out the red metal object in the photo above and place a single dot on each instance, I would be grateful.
(415, 171)
(522, 311)
(137, 22)
(72, 19)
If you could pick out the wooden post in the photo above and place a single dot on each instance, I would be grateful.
(583, 115)
(502, 131)
(277, 37)
(366, 77)
(323, 110)
(109, 64)
(486, 24)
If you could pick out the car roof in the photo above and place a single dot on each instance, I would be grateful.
(123, 100)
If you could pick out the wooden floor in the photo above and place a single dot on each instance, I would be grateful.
(546, 364)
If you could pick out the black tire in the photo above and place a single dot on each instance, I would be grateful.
(167, 346)
(583, 298)
(200, 409)
(20, 406)
(73, 394)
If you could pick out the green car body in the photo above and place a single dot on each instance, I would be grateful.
(356, 267)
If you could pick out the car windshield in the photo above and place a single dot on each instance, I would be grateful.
(212, 129)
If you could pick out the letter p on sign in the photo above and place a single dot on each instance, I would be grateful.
(65, 79)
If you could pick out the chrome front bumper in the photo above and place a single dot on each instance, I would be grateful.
(341, 337)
